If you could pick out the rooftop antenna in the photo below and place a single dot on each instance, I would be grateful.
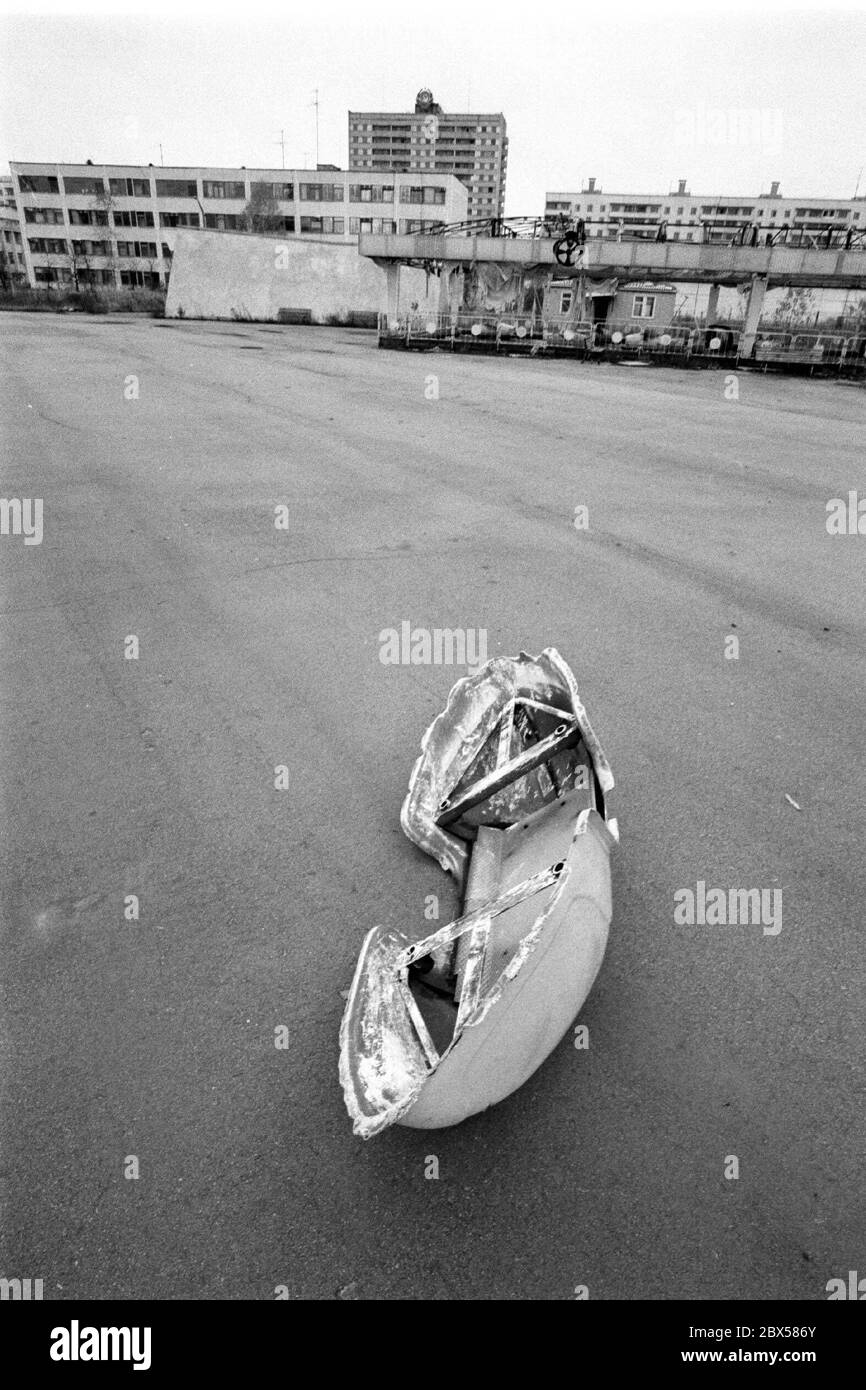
(315, 103)
(282, 144)
(161, 160)
(859, 177)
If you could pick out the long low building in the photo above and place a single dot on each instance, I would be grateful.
(114, 224)
(705, 218)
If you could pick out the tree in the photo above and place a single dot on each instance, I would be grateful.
(79, 267)
(854, 314)
(796, 308)
(10, 275)
(262, 212)
(104, 203)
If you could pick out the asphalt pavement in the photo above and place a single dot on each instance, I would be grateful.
(440, 491)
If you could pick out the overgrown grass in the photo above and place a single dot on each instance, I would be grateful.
(86, 301)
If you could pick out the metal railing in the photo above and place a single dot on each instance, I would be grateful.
(676, 339)
(486, 331)
(813, 348)
(705, 231)
(482, 329)
(524, 227)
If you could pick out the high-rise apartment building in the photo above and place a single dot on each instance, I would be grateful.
(472, 146)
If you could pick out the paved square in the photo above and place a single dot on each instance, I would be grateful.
(440, 491)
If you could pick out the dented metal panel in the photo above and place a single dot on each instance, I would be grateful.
(512, 773)
(456, 737)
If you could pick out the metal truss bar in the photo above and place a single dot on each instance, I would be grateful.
(536, 883)
(564, 736)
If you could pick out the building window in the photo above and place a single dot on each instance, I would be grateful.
(91, 187)
(140, 279)
(222, 189)
(81, 217)
(179, 219)
(48, 246)
(132, 219)
(38, 183)
(321, 192)
(566, 299)
(280, 192)
(49, 274)
(129, 188)
(86, 275)
(224, 221)
(52, 216)
(91, 248)
(371, 193)
(378, 225)
(136, 248)
(643, 306)
(176, 188)
(326, 226)
(426, 193)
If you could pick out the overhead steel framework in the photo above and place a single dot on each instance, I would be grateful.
(524, 248)
(778, 264)
(578, 230)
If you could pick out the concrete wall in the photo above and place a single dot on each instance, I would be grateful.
(227, 275)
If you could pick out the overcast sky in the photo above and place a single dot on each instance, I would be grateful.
(726, 95)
